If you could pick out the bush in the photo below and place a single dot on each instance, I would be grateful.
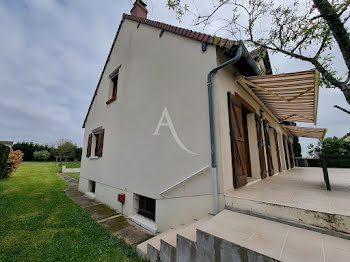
(28, 148)
(42, 155)
(4, 153)
(341, 163)
(13, 161)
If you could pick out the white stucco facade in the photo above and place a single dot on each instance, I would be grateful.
(164, 76)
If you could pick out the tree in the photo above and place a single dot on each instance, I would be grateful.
(28, 148)
(296, 146)
(330, 146)
(13, 161)
(42, 155)
(307, 30)
(66, 148)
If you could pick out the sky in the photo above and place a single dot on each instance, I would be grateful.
(52, 53)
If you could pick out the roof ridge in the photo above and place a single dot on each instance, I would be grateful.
(203, 37)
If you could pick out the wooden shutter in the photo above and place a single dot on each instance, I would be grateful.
(277, 151)
(268, 148)
(88, 151)
(285, 150)
(100, 142)
(290, 147)
(237, 143)
(263, 172)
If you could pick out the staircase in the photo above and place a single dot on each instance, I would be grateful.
(301, 162)
(234, 236)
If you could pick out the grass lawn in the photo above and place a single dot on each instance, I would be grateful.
(75, 164)
(73, 175)
(38, 222)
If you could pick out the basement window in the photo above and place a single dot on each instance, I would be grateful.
(92, 186)
(147, 207)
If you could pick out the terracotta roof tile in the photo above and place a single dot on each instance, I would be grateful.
(222, 42)
(205, 38)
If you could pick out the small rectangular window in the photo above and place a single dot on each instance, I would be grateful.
(97, 135)
(92, 186)
(115, 86)
(147, 207)
(113, 92)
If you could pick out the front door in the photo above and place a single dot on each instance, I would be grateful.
(239, 139)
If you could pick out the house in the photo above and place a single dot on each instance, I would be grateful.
(178, 118)
(347, 137)
(7, 143)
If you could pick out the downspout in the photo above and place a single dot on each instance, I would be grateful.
(211, 121)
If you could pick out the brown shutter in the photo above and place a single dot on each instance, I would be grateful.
(268, 148)
(237, 143)
(88, 151)
(285, 150)
(290, 147)
(100, 143)
(277, 151)
(263, 172)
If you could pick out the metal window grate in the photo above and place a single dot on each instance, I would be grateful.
(147, 207)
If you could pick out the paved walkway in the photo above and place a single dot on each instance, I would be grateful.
(117, 224)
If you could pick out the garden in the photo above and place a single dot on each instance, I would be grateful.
(40, 223)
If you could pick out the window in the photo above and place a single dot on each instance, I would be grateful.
(88, 150)
(95, 142)
(147, 207)
(97, 135)
(92, 186)
(114, 85)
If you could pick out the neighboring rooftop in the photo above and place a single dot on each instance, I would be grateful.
(8, 143)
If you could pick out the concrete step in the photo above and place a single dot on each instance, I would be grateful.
(168, 243)
(231, 236)
(163, 246)
(150, 248)
(186, 250)
(312, 217)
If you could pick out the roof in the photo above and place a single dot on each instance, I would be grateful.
(209, 39)
(205, 38)
(6, 142)
(310, 132)
(346, 135)
(291, 97)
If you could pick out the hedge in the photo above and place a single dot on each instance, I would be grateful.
(342, 163)
(4, 153)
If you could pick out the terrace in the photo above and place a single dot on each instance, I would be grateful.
(298, 195)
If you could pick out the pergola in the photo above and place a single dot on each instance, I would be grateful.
(291, 97)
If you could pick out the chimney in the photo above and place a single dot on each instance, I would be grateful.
(139, 9)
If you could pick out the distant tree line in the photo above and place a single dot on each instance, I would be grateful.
(39, 152)
(329, 146)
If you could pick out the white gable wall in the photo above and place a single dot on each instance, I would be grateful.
(156, 72)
